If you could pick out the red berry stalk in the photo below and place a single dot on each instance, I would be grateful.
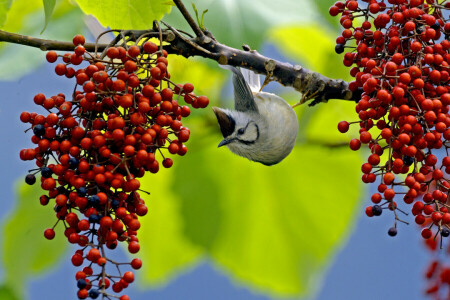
(398, 51)
(121, 121)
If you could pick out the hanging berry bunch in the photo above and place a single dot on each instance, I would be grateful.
(399, 54)
(122, 120)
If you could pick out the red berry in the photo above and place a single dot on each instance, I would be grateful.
(51, 56)
(355, 144)
(78, 40)
(49, 234)
(150, 47)
(426, 233)
(60, 69)
(343, 126)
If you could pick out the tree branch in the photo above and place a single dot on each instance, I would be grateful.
(313, 85)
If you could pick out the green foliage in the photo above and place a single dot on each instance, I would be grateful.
(25, 251)
(124, 14)
(165, 249)
(49, 6)
(323, 7)
(6, 293)
(26, 17)
(4, 8)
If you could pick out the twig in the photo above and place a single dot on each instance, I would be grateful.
(198, 32)
(191, 43)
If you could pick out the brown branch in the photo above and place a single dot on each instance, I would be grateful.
(303, 80)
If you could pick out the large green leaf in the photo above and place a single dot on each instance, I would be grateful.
(124, 14)
(235, 22)
(25, 17)
(25, 251)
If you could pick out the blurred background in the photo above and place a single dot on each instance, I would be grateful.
(219, 226)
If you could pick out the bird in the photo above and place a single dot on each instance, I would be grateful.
(262, 127)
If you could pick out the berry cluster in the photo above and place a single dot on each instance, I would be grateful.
(399, 54)
(92, 148)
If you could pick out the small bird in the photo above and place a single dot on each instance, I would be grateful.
(263, 127)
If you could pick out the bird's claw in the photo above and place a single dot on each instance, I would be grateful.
(306, 97)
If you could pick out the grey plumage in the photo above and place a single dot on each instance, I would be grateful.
(263, 127)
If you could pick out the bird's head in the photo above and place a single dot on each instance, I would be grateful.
(241, 131)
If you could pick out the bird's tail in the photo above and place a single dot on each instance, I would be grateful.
(250, 77)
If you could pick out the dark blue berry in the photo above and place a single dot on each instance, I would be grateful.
(73, 163)
(81, 283)
(39, 130)
(30, 179)
(436, 25)
(81, 191)
(94, 218)
(377, 210)
(392, 231)
(46, 172)
(408, 160)
(445, 232)
(115, 204)
(93, 200)
(339, 48)
(94, 293)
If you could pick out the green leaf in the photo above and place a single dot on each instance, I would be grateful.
(49, 6)
(124, 14)
(22, 231)
(4, 8)
(235, 22)
(25, 17)
(6, 293)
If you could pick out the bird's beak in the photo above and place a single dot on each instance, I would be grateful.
(226, 123)
(225, 142)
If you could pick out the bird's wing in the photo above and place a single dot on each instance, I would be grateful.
(243, 96)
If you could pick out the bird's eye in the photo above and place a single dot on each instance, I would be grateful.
(241, 131)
